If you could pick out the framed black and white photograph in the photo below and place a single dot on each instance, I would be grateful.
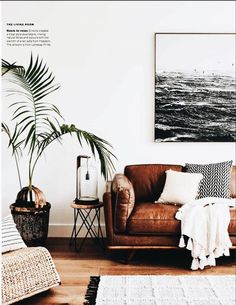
(195, 87)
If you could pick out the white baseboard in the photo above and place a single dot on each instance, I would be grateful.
(65, 230)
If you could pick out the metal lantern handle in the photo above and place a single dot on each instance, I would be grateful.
(79, 160)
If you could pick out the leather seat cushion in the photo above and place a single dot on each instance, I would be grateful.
(154, 218)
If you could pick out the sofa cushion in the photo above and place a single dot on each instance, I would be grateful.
(216, 178)
(151, 218)
(124, 199)
(148, 179)
(180, 187)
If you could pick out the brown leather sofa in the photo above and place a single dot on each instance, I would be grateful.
(144, 224)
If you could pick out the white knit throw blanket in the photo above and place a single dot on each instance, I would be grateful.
(205, 224)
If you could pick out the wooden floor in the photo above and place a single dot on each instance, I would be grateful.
(76, 268)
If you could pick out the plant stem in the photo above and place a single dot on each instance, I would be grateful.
(18, 171)
(30, 176)
(35, 162)
(30, 189)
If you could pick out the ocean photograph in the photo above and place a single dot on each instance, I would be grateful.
(195, 97)
(195, 107)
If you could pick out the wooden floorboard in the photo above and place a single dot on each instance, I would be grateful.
(76, 268)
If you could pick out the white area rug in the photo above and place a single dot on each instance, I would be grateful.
(165, 290)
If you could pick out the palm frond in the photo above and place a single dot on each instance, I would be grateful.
(98, 146)
(14, 141)
(6, 66)
(37, 83)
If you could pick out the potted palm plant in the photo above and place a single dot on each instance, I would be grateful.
(36, 124)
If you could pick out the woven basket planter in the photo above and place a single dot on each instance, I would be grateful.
(31, 217)
(32, 223)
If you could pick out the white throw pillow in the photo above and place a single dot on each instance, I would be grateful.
(11, 239)
(180, 187)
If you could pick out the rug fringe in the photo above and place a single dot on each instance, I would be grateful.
(92, 289)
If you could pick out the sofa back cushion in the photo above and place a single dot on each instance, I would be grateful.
(148, 179)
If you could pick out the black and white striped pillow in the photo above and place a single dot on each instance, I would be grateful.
(11, 239)
(216, 178)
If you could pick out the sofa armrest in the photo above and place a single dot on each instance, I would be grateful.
(107, 201)
(123, 201)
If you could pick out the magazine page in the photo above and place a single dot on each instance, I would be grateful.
(117, 149)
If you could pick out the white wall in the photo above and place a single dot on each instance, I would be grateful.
(102, 54)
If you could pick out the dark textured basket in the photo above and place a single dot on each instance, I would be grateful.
(32, 223)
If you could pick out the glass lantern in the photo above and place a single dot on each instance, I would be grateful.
(86, 182)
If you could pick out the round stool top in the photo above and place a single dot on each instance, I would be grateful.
(86, 206)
